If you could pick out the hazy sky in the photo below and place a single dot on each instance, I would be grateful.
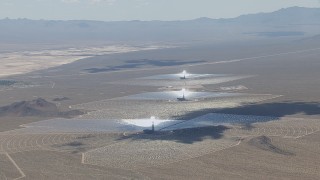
(114, 10)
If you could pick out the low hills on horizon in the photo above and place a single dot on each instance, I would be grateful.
(295, 13)
(289, 22)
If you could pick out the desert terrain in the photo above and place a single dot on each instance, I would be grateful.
(266, 120)
(27, 61)
(242, 108)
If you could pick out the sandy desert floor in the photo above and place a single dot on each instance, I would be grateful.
(269, 130)
(14, 63)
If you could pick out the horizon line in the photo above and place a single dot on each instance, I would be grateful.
(156, 20)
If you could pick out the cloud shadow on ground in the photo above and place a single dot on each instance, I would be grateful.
(186, 136)
(274, 110)
(141, 62)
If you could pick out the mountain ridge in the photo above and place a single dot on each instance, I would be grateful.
(286, 20)
(289, 10)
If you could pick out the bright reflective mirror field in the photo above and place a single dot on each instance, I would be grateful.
(159, 89)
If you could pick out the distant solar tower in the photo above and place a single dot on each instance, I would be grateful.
(183, 95)
(183, 74)
(152, 127)
(148, 131)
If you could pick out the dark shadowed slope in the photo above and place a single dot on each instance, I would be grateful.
(265, 143)
(38, 108)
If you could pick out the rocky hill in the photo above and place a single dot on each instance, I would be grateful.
(38, 108)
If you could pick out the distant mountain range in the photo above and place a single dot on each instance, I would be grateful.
(295, 21)
(288, 16)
